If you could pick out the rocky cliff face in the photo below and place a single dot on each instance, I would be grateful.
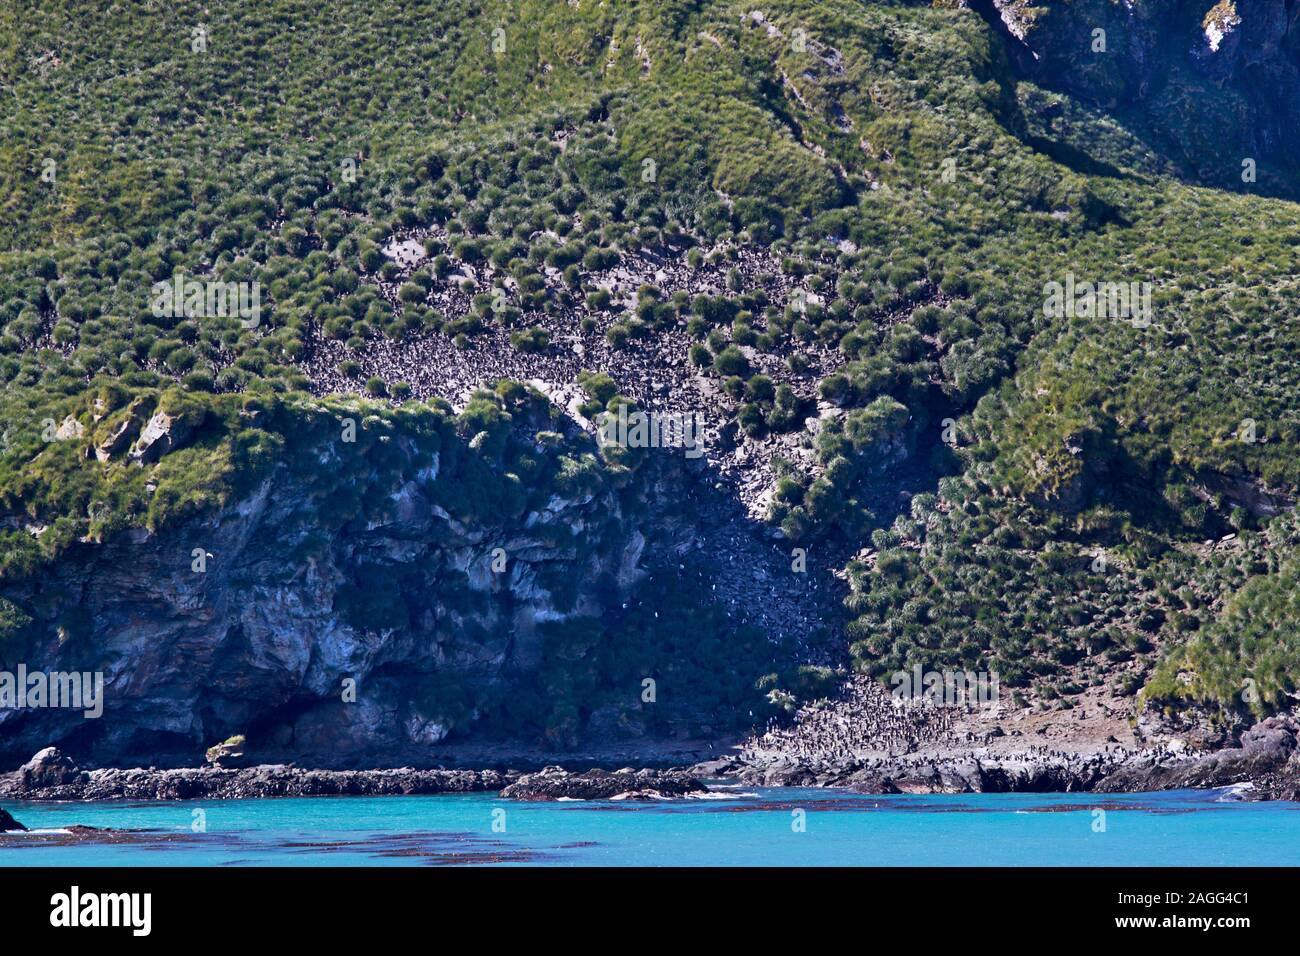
(323, 633)
(1097, 49)
(1216, 83)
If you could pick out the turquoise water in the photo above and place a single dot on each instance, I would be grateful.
(746, 828)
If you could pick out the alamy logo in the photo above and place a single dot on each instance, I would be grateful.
(1130, 301)
(944, 688)
(73, 690)
(192, 299)
(74, 909)
(653, 430)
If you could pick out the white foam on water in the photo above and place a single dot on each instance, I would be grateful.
(1234, 792)
(714, 795)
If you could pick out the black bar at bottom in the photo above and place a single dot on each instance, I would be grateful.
(332, 905)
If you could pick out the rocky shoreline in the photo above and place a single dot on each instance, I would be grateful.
(213, 783)
(1264, 766)
(50, 775)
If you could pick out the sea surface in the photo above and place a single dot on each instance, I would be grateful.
(796, 827)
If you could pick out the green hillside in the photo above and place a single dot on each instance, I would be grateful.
(888, 158)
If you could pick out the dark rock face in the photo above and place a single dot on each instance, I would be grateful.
(327, 641)
(1241, 35)
(9, 825)
(1235, 63)
(1249, 494)
(1059, 42)
(554, 783)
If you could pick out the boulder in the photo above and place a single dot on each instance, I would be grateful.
(49, 768)
(9, 825)
(69, 428)
(228, 753)
(1272, 739)
(118, 439)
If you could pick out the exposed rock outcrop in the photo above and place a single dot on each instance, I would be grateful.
(69, 429)
(162, 433)
(1244, 492)
(1095, 48)
(323, 632)
(118, 439)
(228, 753)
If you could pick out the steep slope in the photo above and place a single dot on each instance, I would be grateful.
(831, 231)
